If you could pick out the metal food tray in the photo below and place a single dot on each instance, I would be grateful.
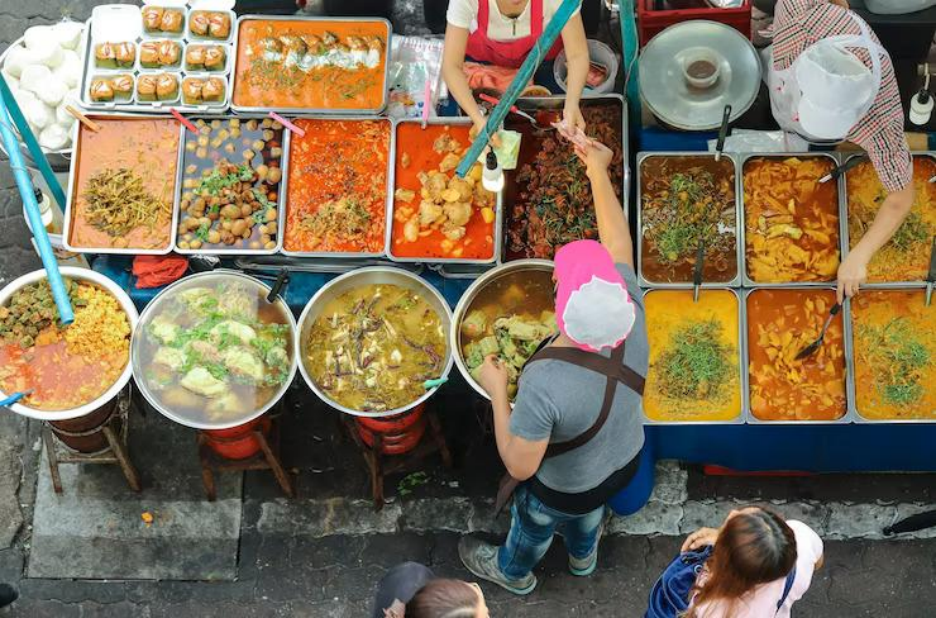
(846, 241)
(498, 209)
(70, 197)
(850, 383)
(159, 107)
(468, 271)
(388, 202)
(180, 189)
(848, 417)
(272, 265)
(739, 225)
(742, 367)
(840, 207)
(242, 109)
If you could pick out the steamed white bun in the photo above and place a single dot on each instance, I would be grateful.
(47, 52)
(53, 137)
(34, 76)
(38, 113)
(17, 59)
(68, 34)
(52, 92)
(37, 36)
(62, 117)
(69, 72)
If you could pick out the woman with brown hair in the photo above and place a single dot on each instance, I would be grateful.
(411, 590)
(758, 567)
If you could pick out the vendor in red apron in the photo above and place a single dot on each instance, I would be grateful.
(502, 33)
(575, 436)
(830, 80)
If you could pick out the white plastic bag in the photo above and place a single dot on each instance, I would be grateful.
(898, 7)
(746, 140)
(413, 61)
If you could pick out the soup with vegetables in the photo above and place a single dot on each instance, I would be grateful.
(215, 350)
(509, 317)
(895, 355)
(371, 348)
(694, 356)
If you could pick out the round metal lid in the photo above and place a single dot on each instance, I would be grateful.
(665, 61)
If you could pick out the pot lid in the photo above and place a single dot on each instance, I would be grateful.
(211, 353)
(690, 71)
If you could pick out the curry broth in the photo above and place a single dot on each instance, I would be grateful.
(895, 355)
(149, 147)
(791, 220)
(723, 402)
(781, 323)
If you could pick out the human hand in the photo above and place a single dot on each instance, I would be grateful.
(596, 157)
(478, 129)
(572, 116)
(852, 272)
(700, 538)
(841, 3)
(493, 376)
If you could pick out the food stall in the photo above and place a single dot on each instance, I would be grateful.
(259, 146)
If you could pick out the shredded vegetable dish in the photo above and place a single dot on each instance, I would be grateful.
(550, 193)
(311, 64)
(781, 323)
(372, 348)
(436, 214)
(510, 317)
(337, 196)
(685, 201)
(791, 220)
(124, 184)
(895, 355)
(906, 256)
(65, 367)
(694, 357)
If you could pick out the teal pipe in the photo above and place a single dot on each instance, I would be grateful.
(631, 48)
(551, 32)
(27, 192)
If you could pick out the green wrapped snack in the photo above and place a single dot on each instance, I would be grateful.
(488, 346)
(509, 150)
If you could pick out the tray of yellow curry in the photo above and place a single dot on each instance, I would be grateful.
(791, 220)
(695, 357)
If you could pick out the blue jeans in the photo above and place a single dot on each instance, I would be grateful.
(531, 532)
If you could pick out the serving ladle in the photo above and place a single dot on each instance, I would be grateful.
(814, 346)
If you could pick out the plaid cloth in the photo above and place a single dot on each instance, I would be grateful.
(801, 23)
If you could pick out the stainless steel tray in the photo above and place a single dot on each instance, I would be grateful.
(739, 224)
(312, 110)
(273, 264)
(746, 360)
(280, 203)
(846, 240)
(70, 196)
(840, 189)
(388, 203)
(498, 208)
(159, 107)
(742, 370)
(456, 271)
(851, 385)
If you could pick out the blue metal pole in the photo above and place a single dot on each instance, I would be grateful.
(551, 32)
(27, 192)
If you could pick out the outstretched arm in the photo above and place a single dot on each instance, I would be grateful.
(612, 223)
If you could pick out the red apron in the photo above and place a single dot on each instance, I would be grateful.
(507, 53)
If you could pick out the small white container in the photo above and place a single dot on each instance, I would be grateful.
(701, 67)
(599, 53)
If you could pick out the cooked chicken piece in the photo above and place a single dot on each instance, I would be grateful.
(436, 184)
(453, 233)
(450, 195)
(405, 195)
(405, 160)
(462, 187)
(411, 230)
(483, 196)
(428, 213)
(423, 178)
(444, 143)
(458, 213)
(450, 162)
(356, 43)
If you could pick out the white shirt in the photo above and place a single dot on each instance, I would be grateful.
(762, 601)
(464, 14)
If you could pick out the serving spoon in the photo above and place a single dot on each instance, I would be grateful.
(814, 346)
(15, 397)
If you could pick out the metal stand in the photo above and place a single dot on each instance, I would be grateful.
(267, 459)
(115, 431)
(380, 466)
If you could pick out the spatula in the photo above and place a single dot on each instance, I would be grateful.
(841, 169)
(814, 346)
(931, 276)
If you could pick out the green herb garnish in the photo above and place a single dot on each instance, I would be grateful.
(912, 232)
(696, 365)
(898, 360)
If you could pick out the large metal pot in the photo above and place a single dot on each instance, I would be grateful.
(77, 274)
(387, 275)
(467, 299)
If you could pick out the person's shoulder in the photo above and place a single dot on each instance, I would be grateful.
(808, 540)
(460, 13)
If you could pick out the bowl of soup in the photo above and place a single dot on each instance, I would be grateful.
(370, 339)
(71, 370)
(509, 311)
(212, 352)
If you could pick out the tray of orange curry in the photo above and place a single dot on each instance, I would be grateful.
(436, 216)
(311, 65)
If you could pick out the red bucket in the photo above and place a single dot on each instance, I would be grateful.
(238, 442)
(399, 434)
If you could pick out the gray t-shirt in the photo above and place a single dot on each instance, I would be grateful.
(559, 401)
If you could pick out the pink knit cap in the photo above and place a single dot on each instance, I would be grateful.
(593, 308)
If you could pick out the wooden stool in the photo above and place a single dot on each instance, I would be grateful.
(380, 465)
(115, 431)
(267, 459)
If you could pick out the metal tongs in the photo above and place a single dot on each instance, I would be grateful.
(516, 110)
(931, 276)
(843, 168)
(814, 346)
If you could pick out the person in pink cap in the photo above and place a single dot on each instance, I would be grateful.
(575, 435)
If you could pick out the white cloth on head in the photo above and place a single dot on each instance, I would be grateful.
(599, 314)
